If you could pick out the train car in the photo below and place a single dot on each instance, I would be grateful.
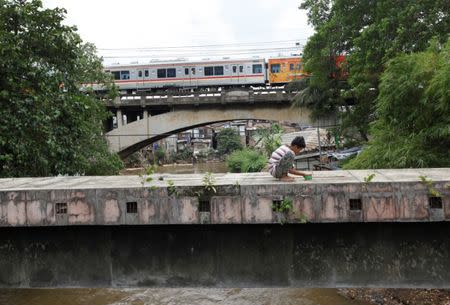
(285, 69)
(183, 74)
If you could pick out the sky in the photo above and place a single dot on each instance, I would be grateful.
(140, 31)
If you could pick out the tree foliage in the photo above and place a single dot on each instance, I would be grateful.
(369, 33)
(270, 138)
(228, 140)
(48, 126)
(412, 128)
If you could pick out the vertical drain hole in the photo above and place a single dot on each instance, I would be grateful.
(204, 206)
(132, 207)
(435, 202)
(61, 208)
(355, 204)
(276, 204)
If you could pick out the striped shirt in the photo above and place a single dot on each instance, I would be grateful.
(276, 157)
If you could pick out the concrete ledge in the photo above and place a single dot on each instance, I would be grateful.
(337, 196)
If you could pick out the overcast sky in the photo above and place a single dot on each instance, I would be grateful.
(150, 24)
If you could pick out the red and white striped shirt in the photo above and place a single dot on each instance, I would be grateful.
(276, 157)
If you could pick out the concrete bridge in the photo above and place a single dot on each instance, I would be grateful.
(170, 114)
(341, 231)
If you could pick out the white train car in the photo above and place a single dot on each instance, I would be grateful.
(183, 74)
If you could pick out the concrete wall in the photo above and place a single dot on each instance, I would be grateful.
(338, 196)
(112, 231)
(301, 255)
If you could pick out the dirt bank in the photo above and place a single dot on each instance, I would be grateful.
(399, 296)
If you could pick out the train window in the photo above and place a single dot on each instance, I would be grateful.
(193, 71)
(124, 74)
(234, 69)
(275, 68)
(140, 73)
(146, 73)
(218, 70)
(186, 71)
(116, 74)
(241, 69)
(257, 69)
(171, 72)
(161, 73)
(291, 67)
(209, 71)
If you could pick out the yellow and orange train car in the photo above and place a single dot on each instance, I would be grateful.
(284, 70)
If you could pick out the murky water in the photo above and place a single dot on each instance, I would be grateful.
(198, 168)
(174, 296)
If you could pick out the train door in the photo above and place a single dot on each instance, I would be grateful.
(236, 72)
(140, 80)
(193, 77)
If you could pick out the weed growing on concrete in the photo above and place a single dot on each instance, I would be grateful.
(284, 206)
(429, 184)
(171, 188)
(209, 182)
(367, 180)
(148, 172)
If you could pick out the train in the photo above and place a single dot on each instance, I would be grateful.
(191, 75)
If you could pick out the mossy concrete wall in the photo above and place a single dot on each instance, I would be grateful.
(290, 255)
(338, 196)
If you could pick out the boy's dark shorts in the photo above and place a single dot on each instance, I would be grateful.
(285, 164)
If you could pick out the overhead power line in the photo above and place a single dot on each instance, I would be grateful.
(157, 48)
(202, 54)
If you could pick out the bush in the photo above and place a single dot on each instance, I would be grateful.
(228, 140)
(246, 161)
(183, 155)
(160, 154)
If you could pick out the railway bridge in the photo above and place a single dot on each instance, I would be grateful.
(151, 117)
(339, 230)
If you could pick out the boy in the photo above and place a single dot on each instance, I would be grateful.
(282, 160)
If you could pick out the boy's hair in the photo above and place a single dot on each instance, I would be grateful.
(299, 142)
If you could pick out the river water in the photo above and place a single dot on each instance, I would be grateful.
(175, 296)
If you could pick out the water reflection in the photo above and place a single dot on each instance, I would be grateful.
(198, 168)
(174, 296)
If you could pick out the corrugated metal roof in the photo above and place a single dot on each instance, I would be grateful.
(310, 136)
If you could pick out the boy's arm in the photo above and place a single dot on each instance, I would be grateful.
(298, 173)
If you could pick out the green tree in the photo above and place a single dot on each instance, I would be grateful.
(369, 33)
(270, 138)
(48, 126)
(412, 128)
(228, 140)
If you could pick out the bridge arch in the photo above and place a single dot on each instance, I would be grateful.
(133, 136)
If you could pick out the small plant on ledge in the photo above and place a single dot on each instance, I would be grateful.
(429, 184)
(171, 189)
